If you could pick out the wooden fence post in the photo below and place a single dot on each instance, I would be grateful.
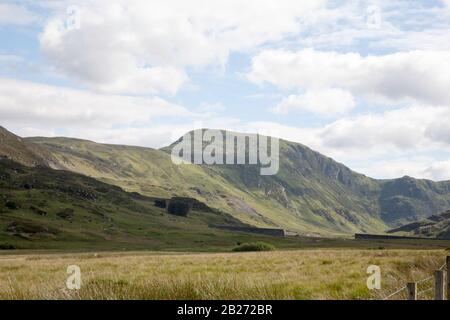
(448, 277)
(439, 285)
(412, 290)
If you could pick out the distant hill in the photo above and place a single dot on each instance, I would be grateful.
(435, 226)
(311, 194)
(408, 199)
(42, 208)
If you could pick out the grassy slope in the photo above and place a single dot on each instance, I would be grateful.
(17, 149)
(100, 216)
(312, 189)
(310, 194)
(316, 202)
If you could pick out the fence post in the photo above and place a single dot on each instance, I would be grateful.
(439, 285)
(412, 290)
(448, 277)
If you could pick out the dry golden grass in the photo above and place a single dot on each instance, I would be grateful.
(300, 274)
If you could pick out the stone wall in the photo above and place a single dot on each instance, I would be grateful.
(365, 236)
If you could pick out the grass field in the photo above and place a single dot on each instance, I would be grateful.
(289, 274)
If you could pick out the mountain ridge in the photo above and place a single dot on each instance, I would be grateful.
(249, 210)
(435, 226)
(311, 194)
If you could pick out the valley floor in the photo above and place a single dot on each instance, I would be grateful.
(290, 274)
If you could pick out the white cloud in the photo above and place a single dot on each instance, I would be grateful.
(323, 102)
(143, 46)
(104, 64)
(422, 167)
(391, 168)
(417, 75)
(30, 109)
(380, 25)
(429, 39)
(395, 137)
(148, 47)
(438, 170)
(386, 145)
(13, 14)
(395, 167)
(210, 108)
(42, 106)
(416, 128)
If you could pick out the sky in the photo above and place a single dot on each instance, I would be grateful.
(364, 82)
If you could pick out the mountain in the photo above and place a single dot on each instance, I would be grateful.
(311, 194)
(435, 226)
(43, 208)
(409, 199)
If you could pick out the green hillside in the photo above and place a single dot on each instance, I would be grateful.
(435, 226)
(309, 200)
(311, 194)
(42, 208)
(408, 199)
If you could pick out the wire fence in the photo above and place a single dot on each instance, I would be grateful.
(394, 293)
(421, 293)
